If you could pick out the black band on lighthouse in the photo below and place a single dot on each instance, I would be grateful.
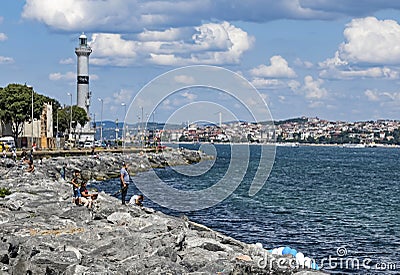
(83, 79)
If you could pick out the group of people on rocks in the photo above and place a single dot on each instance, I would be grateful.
(81, 195)
(28, 159)
(125, 178)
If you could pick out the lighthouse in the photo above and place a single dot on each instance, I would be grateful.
(82, 90)
(83, 94)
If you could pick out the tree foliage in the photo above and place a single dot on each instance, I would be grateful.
(16, 106)
(64, 117)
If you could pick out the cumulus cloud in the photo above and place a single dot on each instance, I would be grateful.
(333, 62)
(368, 41)
(3, 36)
(312, 89)
(112, 49)
(279, 68)
(6, 60)
(211, 43)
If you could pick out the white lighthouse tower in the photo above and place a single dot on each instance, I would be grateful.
(83, 93)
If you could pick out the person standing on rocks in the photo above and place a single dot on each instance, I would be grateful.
(124, 178)
(76, 185)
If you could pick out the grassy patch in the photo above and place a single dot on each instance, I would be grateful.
(4, 192)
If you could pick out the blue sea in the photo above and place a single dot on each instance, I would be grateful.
(338, 206)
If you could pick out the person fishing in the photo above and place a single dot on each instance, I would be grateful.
(124, 179)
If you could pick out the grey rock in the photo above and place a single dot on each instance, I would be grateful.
(42, 232)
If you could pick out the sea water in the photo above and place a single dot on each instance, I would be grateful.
(338, 206)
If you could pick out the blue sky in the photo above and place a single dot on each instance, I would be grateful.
(338, 60)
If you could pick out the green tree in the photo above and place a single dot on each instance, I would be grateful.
(16, 106)
(78, 116)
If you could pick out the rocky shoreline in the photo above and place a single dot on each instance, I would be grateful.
(42, 232)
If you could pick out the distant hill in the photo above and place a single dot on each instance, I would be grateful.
(292, 120)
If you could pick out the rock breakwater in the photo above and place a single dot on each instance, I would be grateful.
(42, 232)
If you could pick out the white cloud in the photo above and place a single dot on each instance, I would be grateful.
(112, 49)
(333, 62)
(60, 76)
(123, 96)
(6, 60)
(304, 64)
(184, 79)
(383, 97)
(171, 34)
(189, 96)
(369, 41)
(263, 83)
(294, 85)
(211, 43)
(67, 61)
(374, 72)
(3, 36)
(68, 76)
(279, 68)
(311, 89)
(372, 95)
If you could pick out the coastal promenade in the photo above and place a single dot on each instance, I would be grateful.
(42, 232)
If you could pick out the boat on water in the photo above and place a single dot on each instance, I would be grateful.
(354, 145)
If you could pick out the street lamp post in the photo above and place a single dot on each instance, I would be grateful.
(101, 120)
(123, 130)
(32, 117)
(57, 132)
(70, 119)
(116, 131)
(142, 127)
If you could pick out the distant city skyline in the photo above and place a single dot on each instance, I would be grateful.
(334, 60)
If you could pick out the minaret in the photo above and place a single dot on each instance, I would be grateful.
(83, 94)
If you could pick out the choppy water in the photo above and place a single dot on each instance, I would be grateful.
(316, 200)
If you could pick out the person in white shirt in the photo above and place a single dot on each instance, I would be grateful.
(136, 200)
